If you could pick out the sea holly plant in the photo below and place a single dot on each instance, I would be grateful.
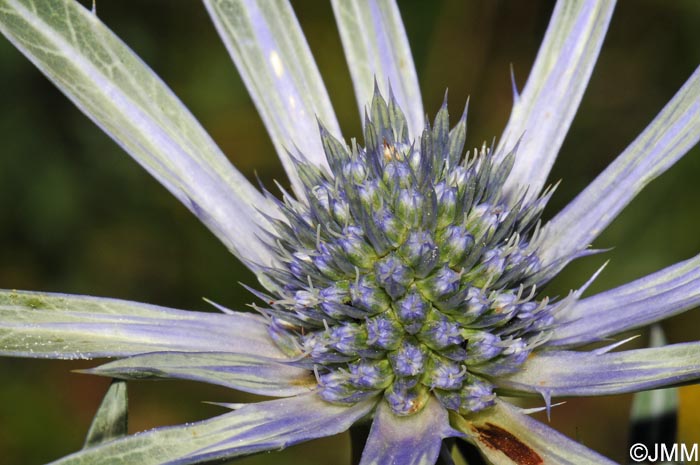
(399, 276)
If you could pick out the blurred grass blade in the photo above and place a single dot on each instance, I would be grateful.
(654, 418)
(111, 419)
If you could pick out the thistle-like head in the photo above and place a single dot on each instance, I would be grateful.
(405, 270)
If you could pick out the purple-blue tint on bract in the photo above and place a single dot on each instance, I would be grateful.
(399, 280)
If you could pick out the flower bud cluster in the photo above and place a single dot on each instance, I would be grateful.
(405, 270)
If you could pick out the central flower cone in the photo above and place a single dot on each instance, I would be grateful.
(407, 270)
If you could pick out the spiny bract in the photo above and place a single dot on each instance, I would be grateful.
(407, 269)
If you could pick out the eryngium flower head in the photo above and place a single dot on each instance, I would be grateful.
(399, 278)
(407, 271)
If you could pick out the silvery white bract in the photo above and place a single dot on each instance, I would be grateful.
(398, 279)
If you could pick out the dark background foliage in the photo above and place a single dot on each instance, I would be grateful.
(79, 216)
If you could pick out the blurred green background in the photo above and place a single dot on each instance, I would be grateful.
(79, 216)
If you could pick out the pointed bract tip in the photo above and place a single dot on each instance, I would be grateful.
(321, 127)
(516, 93)
(466, 110)
(590, 280)
(377, 97)
(227, 405)
(392, 97)
(86, 371)
(219, 307)
(514, 150)
(376, 86)
(608, 348)
(530, 411)
(547, 397)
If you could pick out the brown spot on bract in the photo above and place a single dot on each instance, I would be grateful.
(516, 450)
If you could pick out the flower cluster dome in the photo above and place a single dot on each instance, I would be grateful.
(401, 275)
(407, 270)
